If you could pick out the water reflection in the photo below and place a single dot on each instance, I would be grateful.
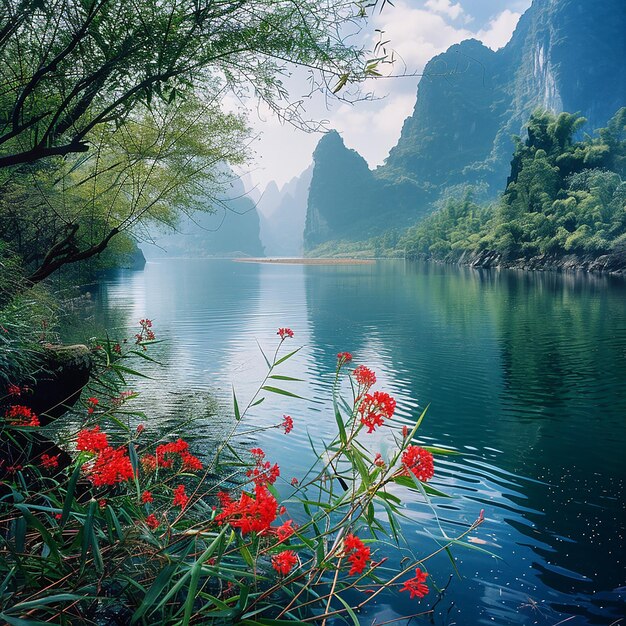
(524, 374)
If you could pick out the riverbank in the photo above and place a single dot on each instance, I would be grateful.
(308, 261)
(614, 264)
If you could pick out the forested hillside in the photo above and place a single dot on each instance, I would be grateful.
(564, 197)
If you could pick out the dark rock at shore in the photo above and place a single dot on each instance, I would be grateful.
(607, 263)
(66, 370)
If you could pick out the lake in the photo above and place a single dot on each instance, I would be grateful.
(524, 374)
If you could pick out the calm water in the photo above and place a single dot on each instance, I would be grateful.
(524, 373)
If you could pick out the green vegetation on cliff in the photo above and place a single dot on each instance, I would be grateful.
(563, 197)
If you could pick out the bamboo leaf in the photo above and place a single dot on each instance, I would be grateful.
(287, 356)
(281, 392)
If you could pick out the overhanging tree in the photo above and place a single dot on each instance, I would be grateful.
(80, 78)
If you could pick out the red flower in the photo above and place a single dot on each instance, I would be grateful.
(250, 514)
(117, 348)
(14, 390)
(283, 562)
(285, 332)
(343, 357)
(180, 497)
(110, 467)
(405, 431)
(92, 403)
(224, 498)
(364, 376)
(102, 503)
(149, 462)
(264, 472)
(21, 416)
(415, 586)
(378, 460)
(190, 462)
(152, 521)
(419, 462)
(374, 407)
(295, 482)
(146, 497)
(140, 428)
(284, 531)
(49, 462)
(92, 440)
(358, 554)
(287, 424)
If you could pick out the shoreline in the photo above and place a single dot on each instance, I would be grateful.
(305, 261)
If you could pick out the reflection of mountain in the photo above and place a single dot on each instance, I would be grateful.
(233, 229)
(283, 213)
(528, 370)
(565, 55)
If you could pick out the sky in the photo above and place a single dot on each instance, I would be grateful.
(417, 30)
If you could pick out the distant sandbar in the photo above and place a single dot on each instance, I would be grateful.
(307, 261)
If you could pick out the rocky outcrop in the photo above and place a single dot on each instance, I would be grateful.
(607, 263)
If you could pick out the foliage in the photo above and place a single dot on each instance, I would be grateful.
(68, 67)
(26, 320)
(563, 197)
(148, 532)
(115, 115)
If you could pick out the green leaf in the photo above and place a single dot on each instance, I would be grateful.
(87, 530)
(44, 601)
(280, 377)
(33, 522)
(236, 406)
(18, 621)
(281, 392)
(444, 451)
(351, 613)
(287, 356)
(69, 496)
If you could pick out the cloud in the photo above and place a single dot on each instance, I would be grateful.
(445, 7)
(498, 31)
(373, 128)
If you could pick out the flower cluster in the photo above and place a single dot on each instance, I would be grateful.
(152, 521)
(263, 473)
(92, 440)
(111, 466)
(180, 497)
(364, 376)
(374, 408)
(20, 415)
(358, 554)
(14, 390)
(92, 403)
(343, 357)
(419, 462)
(146, 333)
(284, 531)
(283, 562)
(167, 453)
(249, 514)
(49, 462)
(416, 586)
(285, 332)
(287, 424)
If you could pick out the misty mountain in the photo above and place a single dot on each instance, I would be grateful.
(565, 55)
